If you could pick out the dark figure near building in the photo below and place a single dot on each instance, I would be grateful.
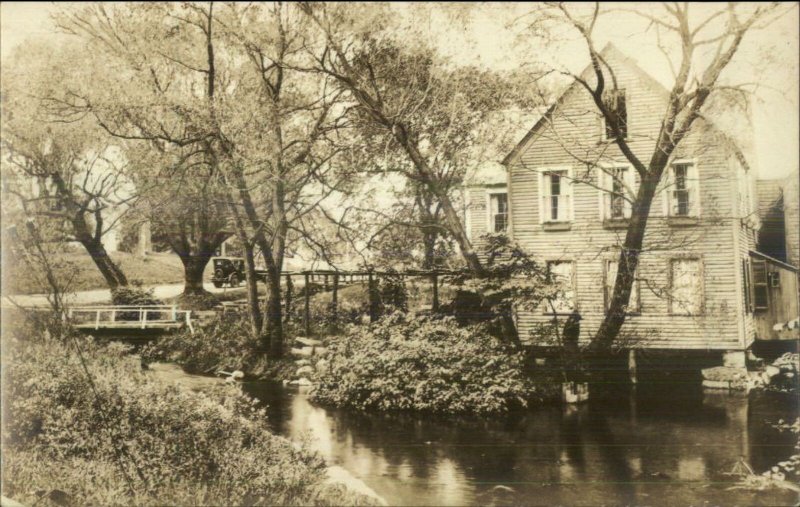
(570, 335)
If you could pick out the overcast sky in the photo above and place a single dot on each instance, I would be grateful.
(487, 41)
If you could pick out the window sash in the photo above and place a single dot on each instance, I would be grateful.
(614, 202)
(759, 284)
(498, 209)
(684, 190)
(556, 196)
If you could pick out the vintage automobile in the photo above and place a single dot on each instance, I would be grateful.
(227, 270)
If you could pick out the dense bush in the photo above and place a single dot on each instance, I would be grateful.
(134, 296)
(225, 344)
(69, 439)
(353, 304)
(393, 293)
(425, 363)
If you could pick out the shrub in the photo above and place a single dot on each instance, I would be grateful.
(134, 296)
(225, 344)
(425, 363)
(353, 304)
(393, 293)
(68, 436)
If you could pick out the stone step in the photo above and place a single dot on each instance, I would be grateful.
(308, 342)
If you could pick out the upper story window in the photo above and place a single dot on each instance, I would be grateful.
(615, 102)
(684, 192)
(498, 212)
(615, 183)
(555, 190)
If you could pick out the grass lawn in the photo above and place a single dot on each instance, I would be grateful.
(155, 269)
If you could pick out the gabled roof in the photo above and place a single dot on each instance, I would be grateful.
(608, 52)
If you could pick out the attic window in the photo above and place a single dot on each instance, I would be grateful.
(614, 101)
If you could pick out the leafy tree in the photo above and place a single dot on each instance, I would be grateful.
(418, 116)
(62, 170)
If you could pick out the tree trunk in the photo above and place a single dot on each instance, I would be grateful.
(252, 289)
(429, 247)
(274, 314)
(112, 274)
(627, 264)
(193, 268)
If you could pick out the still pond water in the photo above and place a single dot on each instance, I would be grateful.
(658, 444)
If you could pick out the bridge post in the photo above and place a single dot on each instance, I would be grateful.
(143, 316)
(373, 303)
(289, 288)
(335, 299)
(326, 283)
(306, 321)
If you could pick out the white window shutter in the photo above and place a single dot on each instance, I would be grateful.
(601, 192)
(542, 193)
(570, 192)
(694, 176)
(630, 181)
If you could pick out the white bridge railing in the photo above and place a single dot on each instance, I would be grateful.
(130, 317)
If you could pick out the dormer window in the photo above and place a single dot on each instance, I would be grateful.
(615, 103)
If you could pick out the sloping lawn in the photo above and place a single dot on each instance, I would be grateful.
(155, 269)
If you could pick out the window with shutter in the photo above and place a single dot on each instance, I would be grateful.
(498, 212)
(615, 202)
(759, 284)
(746, 282)
(684, 193)
(556, 196)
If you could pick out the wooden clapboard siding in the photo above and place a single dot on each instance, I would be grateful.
(573, 129)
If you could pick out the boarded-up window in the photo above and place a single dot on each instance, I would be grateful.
(498, 212)
(617, 107)
(759, 279)
(556, 196)
(563, 272)
(686, 287)
(611, 276)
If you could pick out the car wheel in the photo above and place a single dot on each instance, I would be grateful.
(234, 280)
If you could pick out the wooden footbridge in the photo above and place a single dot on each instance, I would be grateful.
(128, 318)
(155, 319)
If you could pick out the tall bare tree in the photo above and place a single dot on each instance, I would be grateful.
(697, 82)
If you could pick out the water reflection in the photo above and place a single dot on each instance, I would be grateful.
(644, 446)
